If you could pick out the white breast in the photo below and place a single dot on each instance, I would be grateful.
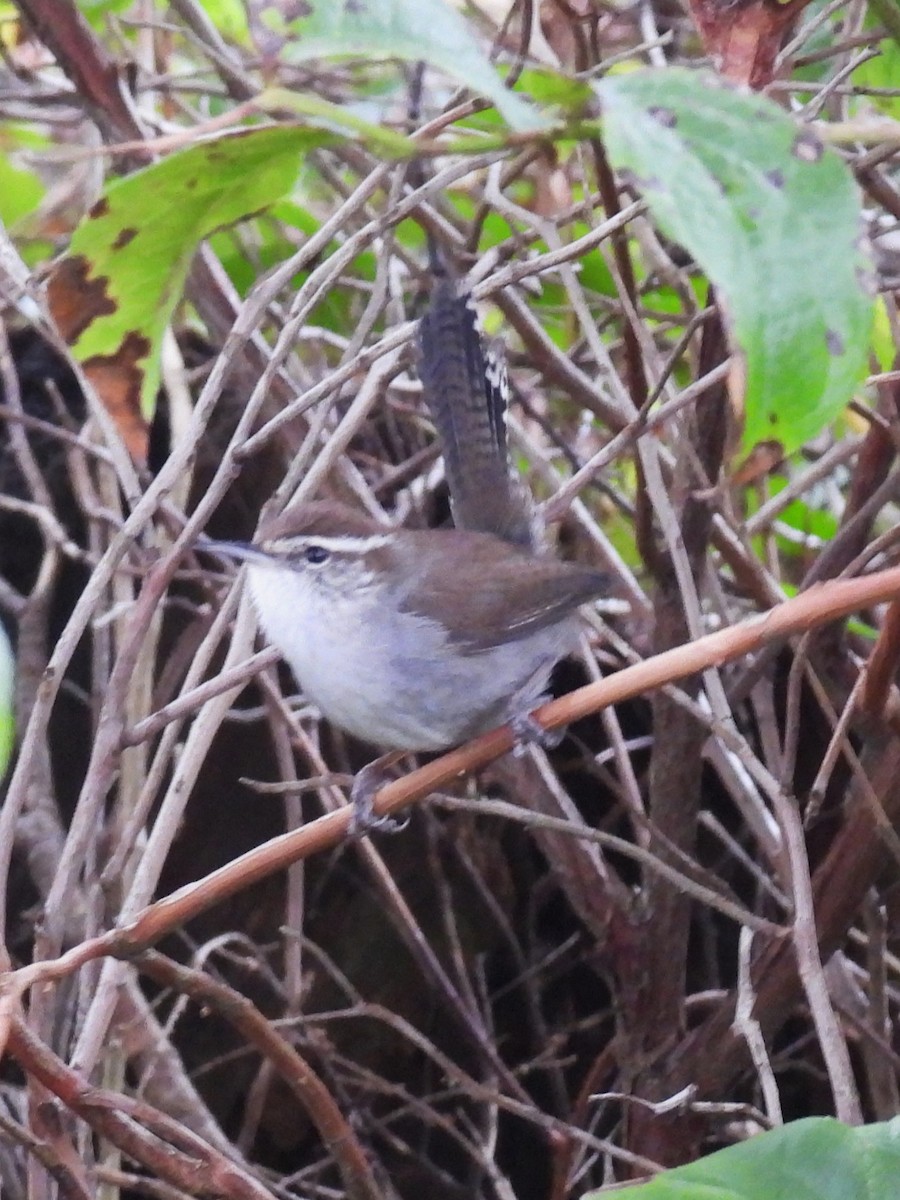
(391, 678)
(344, 656)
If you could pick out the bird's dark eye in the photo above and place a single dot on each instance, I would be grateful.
(316, 555)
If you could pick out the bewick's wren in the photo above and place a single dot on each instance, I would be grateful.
(418, 640)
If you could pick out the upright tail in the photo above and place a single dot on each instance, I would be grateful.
(467, 392)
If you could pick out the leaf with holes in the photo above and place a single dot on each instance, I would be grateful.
(113, 294)
(773, 218)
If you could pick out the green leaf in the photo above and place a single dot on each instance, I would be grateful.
(7, 721)
(882, 71)
(773, 218)
(814, 1159)
(888, 13)
(314, 110)
(552, 89)
(98, 12)
(229, 17)
(115, 290)
(21, 191)
(411, 30)
(21, 187)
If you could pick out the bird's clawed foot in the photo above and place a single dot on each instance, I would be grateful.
(528, 731)
(366, 785)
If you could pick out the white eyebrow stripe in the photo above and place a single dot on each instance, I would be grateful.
(350, 545)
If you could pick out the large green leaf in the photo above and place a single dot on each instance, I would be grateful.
(412, 30)
(114, 292)
(814, 1159)
(773, 218)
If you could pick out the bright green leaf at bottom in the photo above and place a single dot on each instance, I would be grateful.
(814, 1159)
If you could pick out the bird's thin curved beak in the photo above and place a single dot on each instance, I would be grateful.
(232, 551)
